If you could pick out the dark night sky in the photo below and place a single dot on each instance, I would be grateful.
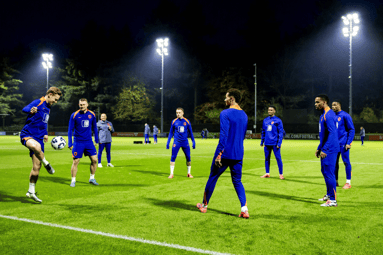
(242, 32)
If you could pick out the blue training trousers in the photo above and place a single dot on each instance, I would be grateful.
(328, 171)
(101, 147)
(236, 176)
(346, 160)
(277, 153)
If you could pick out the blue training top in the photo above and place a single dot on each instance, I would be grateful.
(83, 124)
(36, 124)
(328, 133)
(233, 125)
(181, 128)
(155, 130)
(147, 130)
(346, 130)
(104, 134)
(272, 131)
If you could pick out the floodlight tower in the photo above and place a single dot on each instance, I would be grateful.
(162, 51)
(47, 64)
(350, 30)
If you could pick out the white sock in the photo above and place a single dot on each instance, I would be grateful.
(348, 181)
(32, 188)
(73, 179)
(91, 177)
(45, 162)
(189, 169)
(171, 169)
(244, 208)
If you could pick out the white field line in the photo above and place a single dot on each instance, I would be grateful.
(140, 240)
(296, 160)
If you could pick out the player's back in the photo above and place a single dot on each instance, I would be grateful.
(237, 121)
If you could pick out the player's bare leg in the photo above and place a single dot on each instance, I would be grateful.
(33, 176)
(73, 170)
(172, 164)
(188, 164)
(93, 168)
(36, 148)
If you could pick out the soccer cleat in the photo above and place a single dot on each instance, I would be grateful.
(50, 169)
(99, 165)
(202, 208)
(281, 177)
(347, 186)
(244, 215)
(171, 176)
(190, 176)
(33, 196)
(110, 165)
(93, 181)
(325, 198)
(265, 176)
(73, 184)
(330, 203)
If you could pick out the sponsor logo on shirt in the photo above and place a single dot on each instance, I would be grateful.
(181, 129)
(45, 118)
(85, 123)
(269, 127)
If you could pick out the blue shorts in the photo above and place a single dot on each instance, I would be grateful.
(86, 148)
(24, 138)
(176, 148)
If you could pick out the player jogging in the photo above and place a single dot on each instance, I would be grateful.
(82, 123)
(271, 137)
(346, 133)
(180, 129)
(34, 134)
(229, 152)
(328, 148)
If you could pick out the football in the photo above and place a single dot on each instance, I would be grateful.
(58, 143)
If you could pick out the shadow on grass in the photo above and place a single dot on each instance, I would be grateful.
(151, 172)
(5, 197)
(280, 196)
(57, 179)
(179, 205)
(66, 181)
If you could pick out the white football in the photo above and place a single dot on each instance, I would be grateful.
(58, 143)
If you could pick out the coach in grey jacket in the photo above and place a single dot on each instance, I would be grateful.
(105, 130)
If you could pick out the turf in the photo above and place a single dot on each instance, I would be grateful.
(136, 199)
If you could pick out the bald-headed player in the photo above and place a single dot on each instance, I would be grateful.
(81, 125)
(35, 133)
(180, 129)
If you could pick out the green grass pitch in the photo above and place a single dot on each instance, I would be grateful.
(136, 199)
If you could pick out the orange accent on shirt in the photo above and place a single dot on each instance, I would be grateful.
(187, 120)
(42, 99)
(235, 107)
(92, 113)
(75, 114)
(325, 112)
(174, 120)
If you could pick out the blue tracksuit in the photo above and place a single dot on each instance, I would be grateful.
(105, 137)
(329, 144)
(233, 125)
(346, 133)
(180, 129)
(362, 135)
(36, 124)
(155, 133)
(146, 133)
(81, 125)
(271, 137)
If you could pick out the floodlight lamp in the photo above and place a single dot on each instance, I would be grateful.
(160, 42)
(357, 21)
(345, 30)
(45, 65)
(355, 29)
(345, 20)
(355, 16)
(166, 42)
(354, 33)
(349, 16)
(159, 52)
(49, 64)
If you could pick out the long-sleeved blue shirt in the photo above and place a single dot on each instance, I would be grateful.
(36, 124)
(147, 130)
(104, 134)
(155, 130)
(328, 133)
(233, 126)
(272, 131)
(180, 128)
(346, 130)
(362, 132)
(83, 124)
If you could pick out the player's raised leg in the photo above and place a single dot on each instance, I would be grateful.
(37, 147)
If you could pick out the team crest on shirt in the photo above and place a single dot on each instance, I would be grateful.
(89, 116)
(339, 119)
(184, 123)
(272, 122)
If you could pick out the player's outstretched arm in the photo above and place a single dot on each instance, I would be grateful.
(170, 136)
